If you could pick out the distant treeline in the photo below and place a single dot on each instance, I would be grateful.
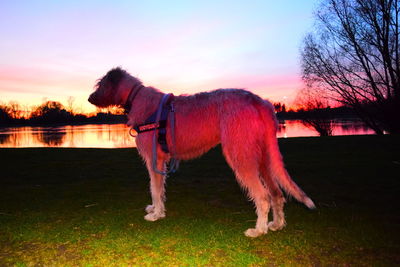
(51, 112)
(320, 113)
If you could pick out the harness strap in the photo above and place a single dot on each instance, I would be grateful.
(157, 122)
(174, 163)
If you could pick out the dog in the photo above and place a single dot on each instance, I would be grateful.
(244, 124)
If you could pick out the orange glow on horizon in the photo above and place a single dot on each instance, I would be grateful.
(57, 50)
(35, 88)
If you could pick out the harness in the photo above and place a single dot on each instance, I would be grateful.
(157, 122)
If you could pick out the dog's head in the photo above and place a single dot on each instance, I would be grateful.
(112, 89)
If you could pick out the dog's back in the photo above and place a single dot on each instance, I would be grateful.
(203, 118)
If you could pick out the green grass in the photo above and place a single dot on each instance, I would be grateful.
(84, 207)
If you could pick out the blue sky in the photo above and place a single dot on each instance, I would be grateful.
(55, 50)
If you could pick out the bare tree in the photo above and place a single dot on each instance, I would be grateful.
(111, 110)
(354, 54)
(26, 111)
(315, 110)
(15, 109)
(70, 105)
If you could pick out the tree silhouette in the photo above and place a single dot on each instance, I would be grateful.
(279, 107)
(50, 112)
(71, 105)
(315, 111)
(4, 115)
(354, 54)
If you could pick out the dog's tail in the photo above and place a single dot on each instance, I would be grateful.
(275, 162)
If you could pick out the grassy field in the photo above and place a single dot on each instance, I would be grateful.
(84, 207)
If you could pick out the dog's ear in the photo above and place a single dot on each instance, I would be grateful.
(114, 76)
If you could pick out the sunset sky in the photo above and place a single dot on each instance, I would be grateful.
(56, 49)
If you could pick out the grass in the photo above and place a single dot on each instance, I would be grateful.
(84, 207)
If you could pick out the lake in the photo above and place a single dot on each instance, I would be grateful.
(117, 135)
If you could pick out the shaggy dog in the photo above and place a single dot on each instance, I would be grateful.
(244, 124)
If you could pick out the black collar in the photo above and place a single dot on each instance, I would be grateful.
(132, 94)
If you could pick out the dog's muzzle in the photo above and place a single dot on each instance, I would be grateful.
(92, 99)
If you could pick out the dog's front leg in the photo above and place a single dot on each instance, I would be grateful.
(157, 209)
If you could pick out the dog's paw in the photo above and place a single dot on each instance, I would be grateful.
(274, 226)
(149, 208)
(254, 232)
(151, 217)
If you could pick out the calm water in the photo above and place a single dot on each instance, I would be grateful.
(117, 135)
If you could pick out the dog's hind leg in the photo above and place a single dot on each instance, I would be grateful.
(279, 217)
(157, 181)
(247, 175)
(276, 196)
(262, 210)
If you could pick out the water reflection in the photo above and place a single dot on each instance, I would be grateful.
(347, 127)
(117, 135)
(4, 138)
(52, 138)
(102, 136)
(294, 128)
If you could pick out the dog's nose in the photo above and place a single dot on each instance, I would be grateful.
(91, 98)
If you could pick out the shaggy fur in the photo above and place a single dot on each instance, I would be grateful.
(244, 125)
